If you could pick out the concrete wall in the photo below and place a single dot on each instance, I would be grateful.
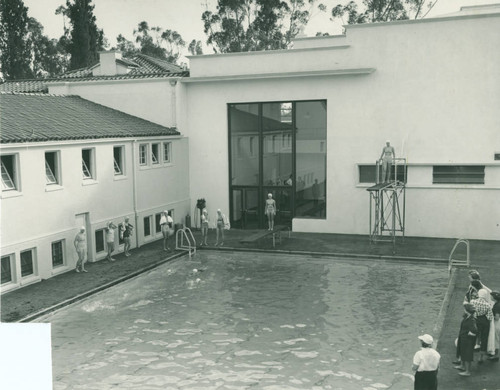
(151, 99)
(434, 93)
(40, 214)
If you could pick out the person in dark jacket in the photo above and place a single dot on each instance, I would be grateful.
(466, 340)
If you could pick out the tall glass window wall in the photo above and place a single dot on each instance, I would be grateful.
(277, 148)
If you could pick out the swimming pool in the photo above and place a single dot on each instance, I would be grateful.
(244, 320)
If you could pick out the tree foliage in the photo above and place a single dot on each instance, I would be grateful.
(195, 48)
(381, 10)
(86, 40)
(14, 46)
(247, 25)
(156, 42)
(48, 56)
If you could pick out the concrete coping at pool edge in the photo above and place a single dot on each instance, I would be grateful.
(82, 296)
(438, 327)
(336, 255)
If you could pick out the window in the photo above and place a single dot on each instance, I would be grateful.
(286, 112)
(143, 154)
(58, 253)
(167, 152)
(88, 164)
(9, 169)
(147, 226)
(157, 223)
(458, 174)
(6, 269)
(52, 168)
(155, 153)
(99, 240)
(497, 156)
(118, 160)
(367, 173)
(27, 259)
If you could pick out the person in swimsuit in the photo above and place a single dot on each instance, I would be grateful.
(166, 223)
(81, 249)
(110, 239)
(204, 227)
(270, 210)
(219, 227)
(386, 159)
(126, 232)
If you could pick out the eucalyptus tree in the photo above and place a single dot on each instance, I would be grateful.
(14, 45)
(248, 25)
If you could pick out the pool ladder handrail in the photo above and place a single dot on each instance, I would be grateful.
(185, 233)
(452, 262)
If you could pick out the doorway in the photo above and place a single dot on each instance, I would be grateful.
(245, 211)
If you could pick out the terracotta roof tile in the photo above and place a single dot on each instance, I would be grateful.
(141, 66)
(44, 117)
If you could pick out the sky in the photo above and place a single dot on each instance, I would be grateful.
(122, 16)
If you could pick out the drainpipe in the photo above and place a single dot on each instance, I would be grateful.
(134, 179)
(173, 103)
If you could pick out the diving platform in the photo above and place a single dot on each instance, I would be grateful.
(387, 205)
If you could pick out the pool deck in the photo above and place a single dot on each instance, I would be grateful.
(27, 303)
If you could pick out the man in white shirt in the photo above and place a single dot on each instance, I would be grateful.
(426, 365)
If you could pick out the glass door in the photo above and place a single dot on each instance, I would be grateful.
(245, 211)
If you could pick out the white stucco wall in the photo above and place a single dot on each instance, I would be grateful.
(151, 99)
(40, 214)
(434, 93)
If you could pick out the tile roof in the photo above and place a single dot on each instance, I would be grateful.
(141, 67)
(44, 117)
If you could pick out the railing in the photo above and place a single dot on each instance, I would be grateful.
(466, 262)
(184, 241)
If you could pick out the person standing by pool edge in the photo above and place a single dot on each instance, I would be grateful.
(204, 227)
(126, 232)
(110, 239)
(81, 249)
(270, 211)
(466, 340)
(220, 225)
(426, 365)
(484, 316)
(496, 323)
(166, 223)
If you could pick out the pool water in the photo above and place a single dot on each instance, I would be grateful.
(245, 320)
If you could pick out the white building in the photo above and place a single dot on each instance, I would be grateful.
(305, 124)
(68, 162)
(431, 86)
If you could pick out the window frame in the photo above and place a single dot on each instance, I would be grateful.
(149, 218)
(33, 262)
(143, 157)
(157, 223)
(62, 253)
(167, 155)
(11, 259)
(12, 176)
(452, 174)
(373, 175)
(90, 167)
(102, 233)
(55, 170)
(155, 155)
(121, 163)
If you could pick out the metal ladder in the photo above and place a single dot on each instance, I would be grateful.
(184, 241)
(452, 262)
